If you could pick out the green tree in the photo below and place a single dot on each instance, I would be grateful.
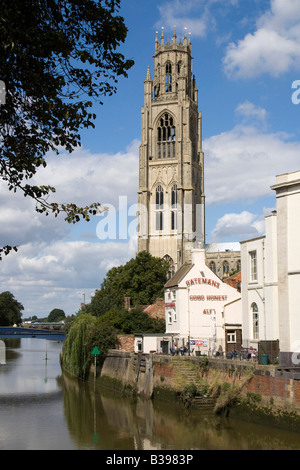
(142, 279)
(132, 321)
(56, 315)
(10, 309)
(57, 57)
(84, 334)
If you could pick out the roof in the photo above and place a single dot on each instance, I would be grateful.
(156, 310)
(179, 275)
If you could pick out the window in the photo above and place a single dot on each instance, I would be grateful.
(231, 336)
(159, 205)
(179, 67)
(174, 207)
(169, 316)
(166, 137)
(171, 270)
(168, 77)
(225, 268)
(212, 267)
(253, 266)
(254, 314)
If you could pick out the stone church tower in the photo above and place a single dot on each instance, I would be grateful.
(171, 161)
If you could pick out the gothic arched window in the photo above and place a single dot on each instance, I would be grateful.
(171, 270)
(168, 77)
(166, 137)
(225, 268)
(174, 207)
(212, 267)
(159, 205)
(179, 67)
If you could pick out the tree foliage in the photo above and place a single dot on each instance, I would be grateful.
(132, 321)
(10, 309)
(84, 334)
(142, 279)
(56, 58)
(57, 314)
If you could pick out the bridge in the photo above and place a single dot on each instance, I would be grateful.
(16, 332)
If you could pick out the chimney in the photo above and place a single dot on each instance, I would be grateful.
(198, 256)
(127, 303)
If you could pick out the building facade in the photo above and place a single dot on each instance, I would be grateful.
(271, 276)
(202, 312)
(223, 258)
(171, 161)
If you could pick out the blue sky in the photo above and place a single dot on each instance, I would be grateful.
(246, 58)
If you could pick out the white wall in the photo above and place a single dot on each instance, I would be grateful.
(200, 300)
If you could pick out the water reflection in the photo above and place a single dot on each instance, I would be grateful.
(102, 420)
(41, 408)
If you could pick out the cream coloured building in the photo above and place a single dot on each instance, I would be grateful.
(271, 276)
(201, 310)
(171, 160)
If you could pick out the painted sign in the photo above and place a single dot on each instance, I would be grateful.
(220, 298)
(198, 342)
(202, 280)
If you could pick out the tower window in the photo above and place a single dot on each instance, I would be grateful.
(179, 67)
(166, 137)
(174, 207)
(168, 77)
(159, 205)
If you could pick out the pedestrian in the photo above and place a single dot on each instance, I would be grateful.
(252, 354)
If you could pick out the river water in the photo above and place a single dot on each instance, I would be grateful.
(43, 409)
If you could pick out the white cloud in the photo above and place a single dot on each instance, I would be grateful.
(176, 13)
(240, 226)
(194, 15)
(81, 178)
(274, 48)
(45, 277)
(248, 111)
(50, 270)
(241, 164)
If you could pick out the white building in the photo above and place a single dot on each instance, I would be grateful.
(150, 342)
(271, 275)
(201, 310)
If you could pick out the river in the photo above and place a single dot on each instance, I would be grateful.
(43, 409)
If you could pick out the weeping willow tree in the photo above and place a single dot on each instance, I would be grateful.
(85, 333)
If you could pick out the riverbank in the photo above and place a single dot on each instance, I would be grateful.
(225, 386)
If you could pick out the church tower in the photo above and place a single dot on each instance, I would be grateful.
(171, 161)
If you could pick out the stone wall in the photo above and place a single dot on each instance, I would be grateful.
(274, 387)
(126, 371)
(162, 376)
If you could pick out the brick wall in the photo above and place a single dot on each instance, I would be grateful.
(126, 342)
(265, 382)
